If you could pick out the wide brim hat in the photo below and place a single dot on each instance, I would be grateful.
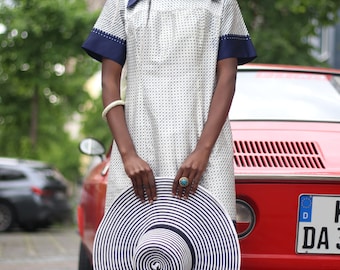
(170, 234)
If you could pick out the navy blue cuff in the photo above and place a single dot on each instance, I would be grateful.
(240, 47)
(101, 45)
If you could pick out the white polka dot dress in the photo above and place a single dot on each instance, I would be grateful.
(171, 48)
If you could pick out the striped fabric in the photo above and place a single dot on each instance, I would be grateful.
(171, 234)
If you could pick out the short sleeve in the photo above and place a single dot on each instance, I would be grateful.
(234, 38)
(108, 38)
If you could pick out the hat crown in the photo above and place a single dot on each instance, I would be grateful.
(156, 266)
(162, 248)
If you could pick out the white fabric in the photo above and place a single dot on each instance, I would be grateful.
(172, 48)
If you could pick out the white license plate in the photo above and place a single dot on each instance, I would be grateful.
(318, 230)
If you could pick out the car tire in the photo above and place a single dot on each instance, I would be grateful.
(7, 217)
(84, 262)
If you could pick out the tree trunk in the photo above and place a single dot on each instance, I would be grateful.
(34, 119)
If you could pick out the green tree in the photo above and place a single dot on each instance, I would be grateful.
(280, 29)
(42, 72)
(93, 125)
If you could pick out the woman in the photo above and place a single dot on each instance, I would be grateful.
(181, 58)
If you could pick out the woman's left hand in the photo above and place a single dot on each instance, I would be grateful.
(192, 169)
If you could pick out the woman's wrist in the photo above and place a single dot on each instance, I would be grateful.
(204, 148)
(127, 153)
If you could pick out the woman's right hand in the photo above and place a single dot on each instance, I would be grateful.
(137, 169)
(142, 177)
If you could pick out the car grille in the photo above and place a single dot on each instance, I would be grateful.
(278, 154)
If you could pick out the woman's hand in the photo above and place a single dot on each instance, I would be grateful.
(142, 177)
(137, 169)
(192, 168)
(196, 163)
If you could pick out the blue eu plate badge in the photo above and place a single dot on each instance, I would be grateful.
(305, 211)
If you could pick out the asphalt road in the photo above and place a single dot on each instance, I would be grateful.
(55, 248)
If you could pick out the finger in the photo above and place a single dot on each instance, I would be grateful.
(196, 181)
(140, 189)
(194, 185)
(149, 186)
(188, 188)
(146, 186)
(134, 185)
(180, 189)
(175, 185)
(152, 185)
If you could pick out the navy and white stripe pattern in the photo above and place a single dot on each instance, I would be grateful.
(169, 234)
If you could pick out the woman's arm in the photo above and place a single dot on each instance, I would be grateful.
(195, 164)
(137, 169)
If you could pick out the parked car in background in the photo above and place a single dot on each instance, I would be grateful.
(32, 195)
(286, 129)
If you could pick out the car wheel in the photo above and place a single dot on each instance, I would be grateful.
(84, 262)
(6, 217)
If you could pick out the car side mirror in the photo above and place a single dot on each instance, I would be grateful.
(91, 147)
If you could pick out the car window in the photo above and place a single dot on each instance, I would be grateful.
(286, 96)
(336, 83)
(11, 175)
(50, 174)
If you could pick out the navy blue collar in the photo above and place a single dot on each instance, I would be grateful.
(131, 3)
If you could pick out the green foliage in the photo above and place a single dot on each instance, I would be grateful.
(93, 124)
(42, 73)
(280, 29)
(43, 69)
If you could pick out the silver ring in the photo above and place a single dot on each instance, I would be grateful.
(183, 181)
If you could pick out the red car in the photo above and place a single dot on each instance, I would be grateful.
(286, 129)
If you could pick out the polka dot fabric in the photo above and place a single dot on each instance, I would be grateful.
(172, 48)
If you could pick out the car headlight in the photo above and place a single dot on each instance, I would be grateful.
(245, 218)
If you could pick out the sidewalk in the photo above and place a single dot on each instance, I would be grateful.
(52, 249)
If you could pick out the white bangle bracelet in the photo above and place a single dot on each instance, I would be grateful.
(112, 105)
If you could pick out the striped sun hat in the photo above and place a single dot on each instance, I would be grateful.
(170, 234)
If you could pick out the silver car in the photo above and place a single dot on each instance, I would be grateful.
(32, 195)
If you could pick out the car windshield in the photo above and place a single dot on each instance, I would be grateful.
(286, 96)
